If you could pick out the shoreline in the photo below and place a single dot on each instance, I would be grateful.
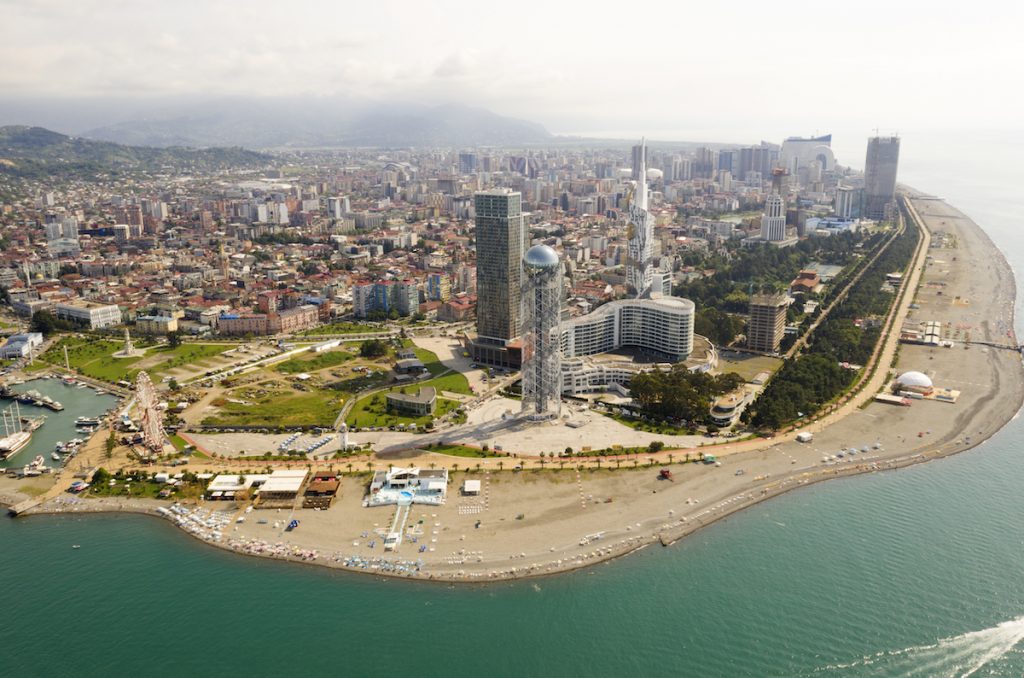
(670, 528)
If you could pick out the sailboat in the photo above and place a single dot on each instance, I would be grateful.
(15, 435)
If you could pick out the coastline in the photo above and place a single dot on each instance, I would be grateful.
(725, 493)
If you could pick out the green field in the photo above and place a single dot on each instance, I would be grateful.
(371, 411)
(456, 450)
(312, 362)
(746, 365)
(278, 407)
(94, 357)
(453, 382)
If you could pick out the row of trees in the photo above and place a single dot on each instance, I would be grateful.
(814, 378)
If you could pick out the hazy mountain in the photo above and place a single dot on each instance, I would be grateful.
(322, 123)
(36, 152)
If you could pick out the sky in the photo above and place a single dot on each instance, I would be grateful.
(683, 70)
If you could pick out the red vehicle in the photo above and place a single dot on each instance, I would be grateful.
(665, 474)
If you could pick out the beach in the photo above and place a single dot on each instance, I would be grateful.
(536, 522)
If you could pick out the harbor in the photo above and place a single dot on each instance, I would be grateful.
(54, 435)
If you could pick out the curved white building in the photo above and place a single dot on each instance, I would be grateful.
(663, 325)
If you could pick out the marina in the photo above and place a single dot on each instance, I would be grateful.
(52, 432)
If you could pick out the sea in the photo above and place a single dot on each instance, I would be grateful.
(918, 572)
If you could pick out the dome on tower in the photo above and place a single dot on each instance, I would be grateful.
(541, 256)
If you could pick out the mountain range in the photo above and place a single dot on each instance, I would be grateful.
(321, 124)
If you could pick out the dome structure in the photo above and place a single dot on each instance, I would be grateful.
(541, 256)
(915, 381)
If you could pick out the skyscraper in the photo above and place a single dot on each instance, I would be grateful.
(639, 159)
(880, 175)
(640, 235)
(500, 241)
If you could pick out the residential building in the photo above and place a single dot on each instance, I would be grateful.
(766, 322)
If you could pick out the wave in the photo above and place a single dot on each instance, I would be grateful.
(957, 657)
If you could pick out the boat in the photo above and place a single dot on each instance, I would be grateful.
(38, 461)
(16, 436)
(54, 456)
(25, 399)
(87, 421)
(70, 381)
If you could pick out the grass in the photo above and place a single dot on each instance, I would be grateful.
(94, 358)
(279, 407)
(456, 450)
(313, 362)
(370, 411)
(140, 485)
(649, 427)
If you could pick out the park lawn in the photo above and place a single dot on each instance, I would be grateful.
(288, 408)
(368, 413)
(453, 382)
(648, 426)
(94, 358)
(313, 362)
(184, 355)
(430, 361)
(456, 450)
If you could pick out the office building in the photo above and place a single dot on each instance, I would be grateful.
(88, 314)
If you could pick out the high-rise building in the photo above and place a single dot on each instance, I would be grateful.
(467, 163)
(639, 156)
(773, 220)
(848, 202)
(880, 175)
(500, 243)
(767, 322)
(542, 313)
(640, 236)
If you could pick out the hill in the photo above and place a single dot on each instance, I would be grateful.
(39, 153)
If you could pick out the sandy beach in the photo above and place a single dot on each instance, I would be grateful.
(536, 522)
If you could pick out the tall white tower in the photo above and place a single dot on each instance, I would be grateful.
(640, 234)
(542, 313)
(773, 221)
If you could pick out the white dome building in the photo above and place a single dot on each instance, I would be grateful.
(913, 381)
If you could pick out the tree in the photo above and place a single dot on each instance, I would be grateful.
(46, 323)
(373, 348)
(655, 446)
(173, 339)
(110, 445)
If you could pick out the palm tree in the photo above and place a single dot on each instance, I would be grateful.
(671, 458)
(618, 462)
(349, 465)
(501, 465)
(432, 466)
(635, 462)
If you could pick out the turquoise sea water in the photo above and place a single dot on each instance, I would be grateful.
(918, 572)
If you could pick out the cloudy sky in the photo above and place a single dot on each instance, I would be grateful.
(687, 69)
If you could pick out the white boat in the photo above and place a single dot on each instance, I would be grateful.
(55, 456)
(15, 435)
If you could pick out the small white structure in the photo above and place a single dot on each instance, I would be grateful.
(804, 437)
(471, 487)
(406, 486)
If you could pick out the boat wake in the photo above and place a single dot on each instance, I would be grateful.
(957, 657)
